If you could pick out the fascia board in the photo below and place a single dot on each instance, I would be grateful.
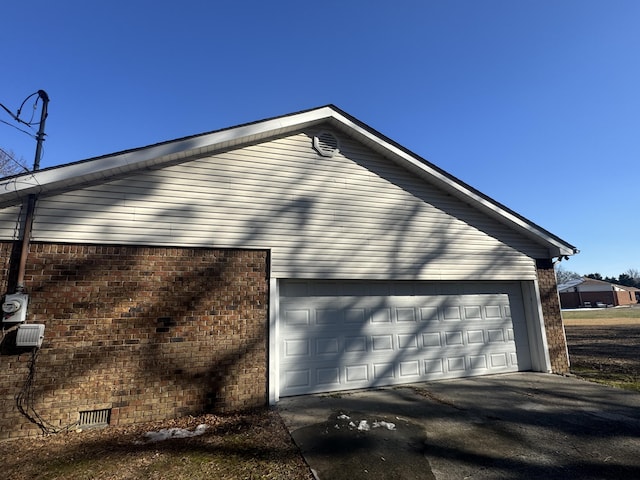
(15, 188)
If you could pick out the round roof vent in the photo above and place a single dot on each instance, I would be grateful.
(326, 144)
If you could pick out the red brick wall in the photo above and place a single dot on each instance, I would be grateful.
(575, 300)
(552, 317)
(152, 333)
(5, 256)
(625, 298)
(570, 300)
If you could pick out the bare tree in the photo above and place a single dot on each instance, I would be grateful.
(9, 165)
(634, 273)
(630, 278)
(563, 276)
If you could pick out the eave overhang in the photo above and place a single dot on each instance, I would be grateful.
(86, 172)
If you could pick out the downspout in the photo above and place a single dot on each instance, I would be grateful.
(31, 201)
(26, 241)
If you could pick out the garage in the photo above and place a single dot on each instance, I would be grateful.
(346, 335)
(363, 265)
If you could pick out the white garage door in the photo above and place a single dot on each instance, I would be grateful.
(339, 336)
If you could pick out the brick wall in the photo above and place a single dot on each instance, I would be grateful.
(625, 298)
(552, 317)
(5, 260)
(152, 333)
(575, 299)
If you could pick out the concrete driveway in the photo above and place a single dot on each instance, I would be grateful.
(515, 426)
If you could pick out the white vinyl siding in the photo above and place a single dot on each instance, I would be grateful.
(10, 223)
(354, 215)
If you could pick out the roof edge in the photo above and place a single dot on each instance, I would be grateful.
(66, 176)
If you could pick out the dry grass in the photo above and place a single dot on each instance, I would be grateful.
(254, 445)
(604, 345)
(602, 316)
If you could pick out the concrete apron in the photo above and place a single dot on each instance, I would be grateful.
(514, 426)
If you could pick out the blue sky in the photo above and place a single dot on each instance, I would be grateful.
(534, 103)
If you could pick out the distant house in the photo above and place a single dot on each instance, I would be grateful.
(588, 292)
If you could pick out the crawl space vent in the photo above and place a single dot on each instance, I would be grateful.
(326, 144)
(94, 418)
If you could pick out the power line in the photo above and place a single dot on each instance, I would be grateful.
(19, 129)
(16, 116)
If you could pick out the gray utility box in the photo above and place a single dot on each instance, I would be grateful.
(14, 308)
(30, 335)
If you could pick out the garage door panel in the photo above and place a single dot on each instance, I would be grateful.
(328, 376)
(431, 340)
(382, 371)
(433, 367)
(334, 342)
(451, 314)
(355, 344)
(475, 337)
(498, 360)
(297, 348)
(496, 335)
(477, 362)
(327, 346)
(382, 343)
(297, 317)
(328, 316)
(428, 314)
(473, 312)
(454, 338)
(409, 369)
(407, 341)
(355, 315)
(380, 315)
(406, 315)
(356, 374)
(298, 380)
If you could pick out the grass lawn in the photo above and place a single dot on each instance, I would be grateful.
(620, 312)
(602, 316)
(604, 345)
(250, 446)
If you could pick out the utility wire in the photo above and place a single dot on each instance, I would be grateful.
(16, 116)
(19, 129)
(26, 399)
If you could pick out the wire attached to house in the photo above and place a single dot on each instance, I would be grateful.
(25, 401)
(5, 332)
(16, 116)
(33, 113)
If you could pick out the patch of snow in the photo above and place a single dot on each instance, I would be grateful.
(344, 417)
(383, 424)
(363, 426)
(166, 433)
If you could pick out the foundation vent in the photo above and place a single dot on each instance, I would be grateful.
(94, 418)
(326, 144)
